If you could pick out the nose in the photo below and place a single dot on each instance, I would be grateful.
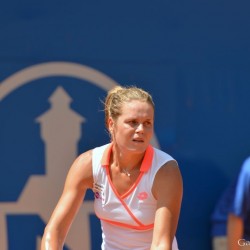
(139, 128)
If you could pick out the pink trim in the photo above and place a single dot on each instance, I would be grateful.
(147, 160)
(145, 166)
(120, 197)
(120, 224)
(132, 187)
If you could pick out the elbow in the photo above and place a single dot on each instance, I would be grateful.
(52, 239)
(161, 247)
(46, 240)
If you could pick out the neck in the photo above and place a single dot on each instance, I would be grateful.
(127, 161)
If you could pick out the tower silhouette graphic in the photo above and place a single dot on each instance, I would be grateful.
(60, 132)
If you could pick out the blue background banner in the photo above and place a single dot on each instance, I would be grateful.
(59, 58)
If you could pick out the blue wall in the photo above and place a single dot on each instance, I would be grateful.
(193, 56)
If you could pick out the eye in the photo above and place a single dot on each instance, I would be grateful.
(148, 123)
(133, 122)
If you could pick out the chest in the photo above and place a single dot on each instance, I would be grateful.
(117, 201)
(123, 182)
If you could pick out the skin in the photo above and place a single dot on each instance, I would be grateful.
(167, 189)
(235, 228)
(131, 133)
(78, 180)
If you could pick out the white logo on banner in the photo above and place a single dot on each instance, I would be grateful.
(41, 193)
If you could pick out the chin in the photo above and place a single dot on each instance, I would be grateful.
(138, 149)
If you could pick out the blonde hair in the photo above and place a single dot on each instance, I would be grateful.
(117, 96)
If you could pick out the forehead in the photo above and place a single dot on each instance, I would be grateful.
(137, 107)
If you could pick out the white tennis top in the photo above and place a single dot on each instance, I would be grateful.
(127, 220)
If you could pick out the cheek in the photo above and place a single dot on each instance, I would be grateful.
(119, 132)
(150, 133)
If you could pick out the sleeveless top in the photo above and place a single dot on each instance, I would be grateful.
(127, 220)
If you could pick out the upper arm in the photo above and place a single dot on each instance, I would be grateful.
(235, 229)
(78, 180)
(167, 189)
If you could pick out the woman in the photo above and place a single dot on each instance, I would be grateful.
(137, 188)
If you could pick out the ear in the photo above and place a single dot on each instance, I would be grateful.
(110, 124)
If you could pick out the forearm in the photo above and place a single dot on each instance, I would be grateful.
(164, 230)
(168, 207)
(235, 230)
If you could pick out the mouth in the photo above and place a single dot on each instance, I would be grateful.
(139, 140)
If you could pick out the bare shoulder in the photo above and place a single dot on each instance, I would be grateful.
(81, 170)
(170, 168)
(84, 159)
(168, 178)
